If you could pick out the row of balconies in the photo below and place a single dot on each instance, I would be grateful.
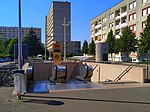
(121, 25)
(120, 16)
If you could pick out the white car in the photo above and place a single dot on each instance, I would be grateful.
(39, 56)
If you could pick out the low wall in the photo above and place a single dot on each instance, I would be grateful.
(43, 71)
(103, 72)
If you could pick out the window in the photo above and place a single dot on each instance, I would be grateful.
(99, 22)
(143, 25)
(133, 28)
(132, 16)
(104, 19)
(117, 32)
(144, 12)
(144, 1)
(148, 10)
(111, 16)
(104, 27)
(99, 29)
(96, 23)
(95, 30)
(132, 5)
(92, 25)
(130, 27)
(103, 36)
(111, 25)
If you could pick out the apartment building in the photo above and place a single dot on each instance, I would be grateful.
(132, 13)
(74, 47)
(12, 32)
(58, 25)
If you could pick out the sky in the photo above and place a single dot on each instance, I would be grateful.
(34, 12)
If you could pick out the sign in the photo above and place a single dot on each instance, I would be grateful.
(57, 58)
(56, 54)
(24, 51)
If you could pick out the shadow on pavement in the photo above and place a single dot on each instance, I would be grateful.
(86, 99)
(49, 102)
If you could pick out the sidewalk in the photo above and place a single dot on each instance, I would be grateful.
(109, 98)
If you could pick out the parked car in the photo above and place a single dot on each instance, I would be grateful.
(39, 56)
(6, 60)
(1, 60)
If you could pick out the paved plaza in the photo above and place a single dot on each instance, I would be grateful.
(127, 97)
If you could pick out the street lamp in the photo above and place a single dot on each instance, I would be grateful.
(65, 25)
(20, 58)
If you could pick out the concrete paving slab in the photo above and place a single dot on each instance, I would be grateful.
(106, 99)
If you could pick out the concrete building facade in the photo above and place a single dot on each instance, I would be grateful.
(12, 32)
(58, 25)
(54, 24)
(132, 13)
(74, 47)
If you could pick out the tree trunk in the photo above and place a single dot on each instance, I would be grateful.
(127, 56)
(111, 57)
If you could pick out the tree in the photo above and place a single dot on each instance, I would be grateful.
(128, 42)
(91, 49)
(111, 42)
(117, 45)
(2, 47)
(33, 42)
(144, 41)
(85, 47)
(10, 48)
(6, 42)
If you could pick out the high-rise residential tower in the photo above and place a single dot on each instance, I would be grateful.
(58, 16)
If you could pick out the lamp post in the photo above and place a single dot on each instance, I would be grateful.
(20, 58)
(65, 25)
(45, 36)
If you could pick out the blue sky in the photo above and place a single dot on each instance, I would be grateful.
(34, 12)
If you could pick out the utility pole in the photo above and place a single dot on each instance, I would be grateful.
(20, 58)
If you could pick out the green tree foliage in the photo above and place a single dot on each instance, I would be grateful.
(111, 42)
(91, 49)
(117, 45)
(144, 42)
(10, 48)
(2, 47)
(34, 45)
(128, 42)
(6, 42)
(85, 47)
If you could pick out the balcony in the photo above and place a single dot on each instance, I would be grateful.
(124, 14)
(97, 26)
(123, 25)
(98, 33)
(117, 36)
(117, 17)
(118, 26)
(117, 14)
